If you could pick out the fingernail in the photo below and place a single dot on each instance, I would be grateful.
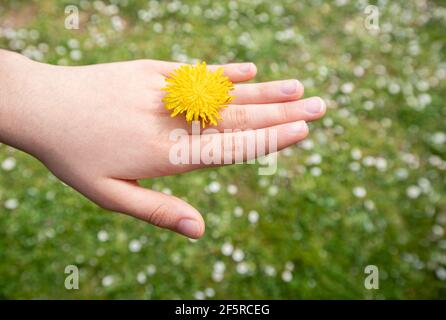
(188, 227)
(314, 105)
(245, 67)
(298, 127)
(289, 87)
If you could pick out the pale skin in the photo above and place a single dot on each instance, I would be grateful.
(101, 128)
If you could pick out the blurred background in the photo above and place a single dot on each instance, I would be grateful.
(366, 188)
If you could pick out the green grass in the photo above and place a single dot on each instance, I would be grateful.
(386, 96)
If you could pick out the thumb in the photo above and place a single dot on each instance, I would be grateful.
(157, 208)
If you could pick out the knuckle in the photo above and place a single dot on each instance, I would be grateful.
(159, 215)
(284, 112)
(239, 118)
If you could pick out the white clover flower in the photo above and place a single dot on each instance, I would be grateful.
(369, 161)
(356, 154)
(441, 273)
(394, 88)
(141, 277)
(354, 166)
(287, 276)
(253, 216)
(411, 159)
(227, 249)
(328, 122)
(199, 295)
(422, 85)
(17, 44)
(270, 271)
(401, 173)
(369, 205)
(278, 9)
(439, 138)
(273, 190)
(107, 281)
(214, 187)
(76, 55)
(219, 267)
(424, 184)
(34, 34)
(316, 171)
(217, 277)
(11, 204)
(413, 192)
(347, 87)
(135, 246)
(73, 43)
(369, 105)
(315, 158)
(210, 292)
(158, 27)
(238, 255)
(232, 189)
(263, 182)
(436, 161)
(8, 164)
(359, 192)
(358, 71)
(151, 269)
(289, 266)
(424, 99)
(50, 233)
(242, 268)
(238, 211)
(381, 164)
(438, 231)
(288, 152)
(118, 23)
(307, 144)
(102, 235)
(50, 195)
(61, 50)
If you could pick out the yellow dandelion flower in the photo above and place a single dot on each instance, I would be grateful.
(198, 92)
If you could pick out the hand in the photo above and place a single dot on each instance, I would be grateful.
(102, 127)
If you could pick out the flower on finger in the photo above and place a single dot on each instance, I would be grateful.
(198, 93)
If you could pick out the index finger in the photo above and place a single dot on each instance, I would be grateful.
(236, 72)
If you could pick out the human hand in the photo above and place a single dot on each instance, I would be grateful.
(100, 128)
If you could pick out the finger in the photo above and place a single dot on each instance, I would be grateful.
(255, 116)
(235, 147)
(236, 72)
(267, 92)
(157, 208)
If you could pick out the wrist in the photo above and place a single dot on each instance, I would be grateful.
(16, 78)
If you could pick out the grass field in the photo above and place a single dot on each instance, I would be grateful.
(366, 188)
